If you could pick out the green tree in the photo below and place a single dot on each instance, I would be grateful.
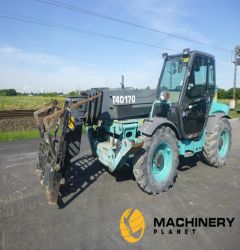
(221, 93)
(74, 93)
(8, 92)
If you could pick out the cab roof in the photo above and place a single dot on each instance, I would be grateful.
(192, 53)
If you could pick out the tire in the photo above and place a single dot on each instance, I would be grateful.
(218, 144)
(156, 164)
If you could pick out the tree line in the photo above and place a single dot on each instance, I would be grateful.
(8, 92)
(228, 94)
(13, 92)
(222, 93)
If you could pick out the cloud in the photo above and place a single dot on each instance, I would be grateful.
(16, 54)
(64, 78)
(170, 16)
(19, 68)
(69, 76)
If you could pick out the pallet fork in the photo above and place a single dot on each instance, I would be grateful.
(56, 132)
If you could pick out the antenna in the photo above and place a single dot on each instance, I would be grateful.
(236, 62)
(122, 82)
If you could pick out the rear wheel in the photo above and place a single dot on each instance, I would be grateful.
(156, 169)
(218, 144)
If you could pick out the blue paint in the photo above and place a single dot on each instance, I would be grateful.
(217, 107)
(193, 146)
(224, 137)
(127, 132)
(124, 128)
(113, 156)
(161, 169)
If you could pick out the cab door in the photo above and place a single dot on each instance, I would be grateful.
(198, 96)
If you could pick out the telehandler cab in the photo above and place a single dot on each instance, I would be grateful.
(146, 129)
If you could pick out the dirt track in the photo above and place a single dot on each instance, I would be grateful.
(17, 124)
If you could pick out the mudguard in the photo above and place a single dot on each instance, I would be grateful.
(150, 126)
(213, 120)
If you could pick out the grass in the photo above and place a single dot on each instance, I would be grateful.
(27, 102)
(25, 135)
(19, 135)
(233, 113)
(225, 101)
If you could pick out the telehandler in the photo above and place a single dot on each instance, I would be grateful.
(140, 128)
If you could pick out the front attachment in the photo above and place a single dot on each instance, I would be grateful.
(60, 140)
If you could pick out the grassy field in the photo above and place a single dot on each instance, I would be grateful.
(27, 102)
(25, 135)
(18, 135)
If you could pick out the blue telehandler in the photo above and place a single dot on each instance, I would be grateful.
(144, 129)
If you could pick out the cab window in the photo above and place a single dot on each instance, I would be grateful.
(201, 76)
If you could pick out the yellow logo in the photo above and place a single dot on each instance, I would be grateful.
(132, 225)
(71, 123)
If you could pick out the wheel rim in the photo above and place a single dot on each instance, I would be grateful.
(162, 162)
(223, 143)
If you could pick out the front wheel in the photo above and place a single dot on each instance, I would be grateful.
(156, 170)
(218, 144)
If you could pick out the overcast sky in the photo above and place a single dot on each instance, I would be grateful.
(49, 59)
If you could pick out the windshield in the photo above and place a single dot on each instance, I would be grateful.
(173, 77)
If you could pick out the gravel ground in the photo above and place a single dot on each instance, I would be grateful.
(93, 200)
